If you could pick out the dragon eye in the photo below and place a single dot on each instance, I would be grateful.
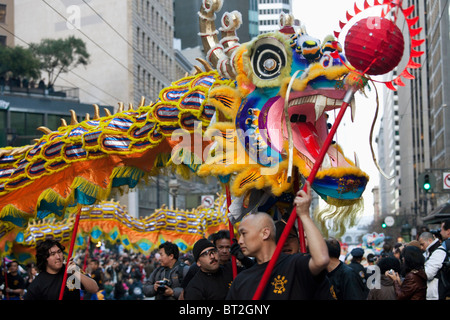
(270, 64)
(268, 58)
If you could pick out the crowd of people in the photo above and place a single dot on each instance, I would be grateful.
(218, 268)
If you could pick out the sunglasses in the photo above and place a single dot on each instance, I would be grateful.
(208, 252)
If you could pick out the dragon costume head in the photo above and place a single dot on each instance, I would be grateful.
(275, 118)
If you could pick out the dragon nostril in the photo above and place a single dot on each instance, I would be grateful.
(298, 118)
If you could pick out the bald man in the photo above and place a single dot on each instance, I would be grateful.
(294, 276)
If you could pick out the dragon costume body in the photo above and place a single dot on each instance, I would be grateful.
(256, 120)
(110, 221)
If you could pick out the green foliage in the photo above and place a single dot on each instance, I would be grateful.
(58, 56)
(18, 62)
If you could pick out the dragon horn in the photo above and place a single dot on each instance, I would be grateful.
(219, 54)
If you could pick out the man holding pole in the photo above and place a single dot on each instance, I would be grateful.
(48, 283)
(293, 276)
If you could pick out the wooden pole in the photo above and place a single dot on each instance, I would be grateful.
(72, 243)
(231, 229)
(5, 270)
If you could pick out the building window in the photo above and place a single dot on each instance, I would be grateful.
(2, 13)
(24, 126)
(54, 120)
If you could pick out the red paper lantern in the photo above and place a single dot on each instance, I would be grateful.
(374, 45)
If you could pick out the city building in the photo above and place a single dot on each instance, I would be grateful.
(22, 113)
(130, 45)
(388, 141)
(269, 12)
(7, 23)
(414, 135)
(132, 55)
(185, 12)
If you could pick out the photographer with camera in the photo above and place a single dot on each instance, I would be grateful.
(164, 282)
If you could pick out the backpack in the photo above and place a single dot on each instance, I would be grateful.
(444, 273)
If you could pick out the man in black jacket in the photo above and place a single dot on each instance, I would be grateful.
(213, 279)
(346, 283)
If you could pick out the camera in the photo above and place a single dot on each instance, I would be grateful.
(391, 271)
(163, 284)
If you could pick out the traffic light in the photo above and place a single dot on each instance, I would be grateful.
(383, 225)
(426, 182)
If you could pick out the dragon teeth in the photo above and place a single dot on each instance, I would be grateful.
(326, 163)
(320, 103)
(353, 107)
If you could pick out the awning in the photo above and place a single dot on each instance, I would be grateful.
(439, 214)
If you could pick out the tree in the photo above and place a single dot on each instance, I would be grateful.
(60, 56)
(18, 62)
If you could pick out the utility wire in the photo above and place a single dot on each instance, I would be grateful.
(109, 25)
(87, 81)
(90, 39)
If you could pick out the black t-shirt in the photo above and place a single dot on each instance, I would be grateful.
(15, 282)
(97, 275)
(47, 286)
(346, 283)
(210, 286)
(290, 279)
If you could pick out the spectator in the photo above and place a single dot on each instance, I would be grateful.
(2, 84)
(165, 282)
(213, 279)
(414, 286)
(15, 281)
(387, 250)
(398, 247)
(355, 264)
(445, 230)
(221, 240)
(346, 284)
(41, 84)
(433, 263)
(96, 273)
(32, 272)
(292, 244)
(386, 290)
